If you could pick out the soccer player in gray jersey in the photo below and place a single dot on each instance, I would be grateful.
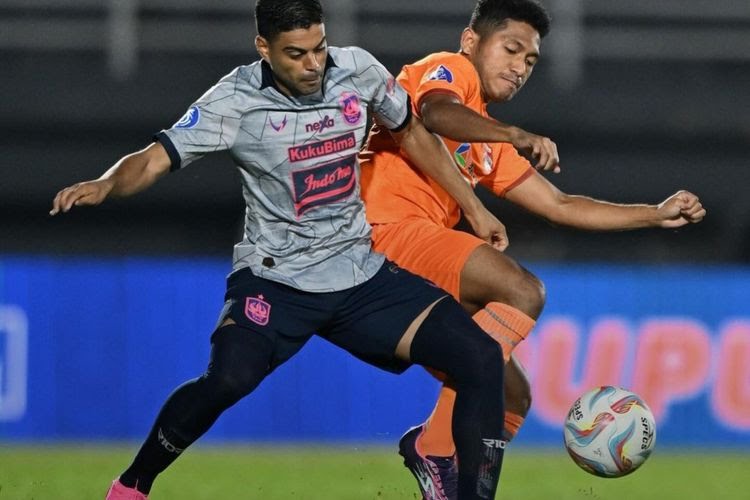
(293, 123)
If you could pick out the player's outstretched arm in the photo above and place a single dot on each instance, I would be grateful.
(431, 156)
(445, 115)
(133, 173)
(540, 197)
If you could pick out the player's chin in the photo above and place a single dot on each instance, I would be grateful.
(503, 93)
(308, 87)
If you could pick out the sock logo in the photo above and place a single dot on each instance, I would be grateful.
(167, 445)
(495, 443)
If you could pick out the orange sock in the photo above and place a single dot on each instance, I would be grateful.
(513, 422)
(507, 326)
(437, 437)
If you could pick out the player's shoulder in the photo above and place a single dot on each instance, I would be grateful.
(241, 78)
(454, 60)
(235, 91)
(351, 57)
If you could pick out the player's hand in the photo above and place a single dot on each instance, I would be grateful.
(540, 151)
(679, 209)
(82, 193)
(489, 228)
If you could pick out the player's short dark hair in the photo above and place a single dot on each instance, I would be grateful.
(277, 16)
(490, 15)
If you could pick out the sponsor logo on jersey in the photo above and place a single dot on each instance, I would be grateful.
(320, 125)
(277, 127)
(441, 73)
(189, 119)
(323, 184)
(257, 310)
(350, 107)
(322, 148)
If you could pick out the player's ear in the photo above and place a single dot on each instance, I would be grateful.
(261, 45)
(469, 41)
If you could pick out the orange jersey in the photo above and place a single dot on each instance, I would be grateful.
(394, 189)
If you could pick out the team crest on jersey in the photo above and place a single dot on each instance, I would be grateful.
(257, 310)
(461, 154)
(350, 107)
(189, 119)
(441, 73)
(323, 184)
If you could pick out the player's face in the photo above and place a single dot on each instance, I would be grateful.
(297, 59)
(504, 58)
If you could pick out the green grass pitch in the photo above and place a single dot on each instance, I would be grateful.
(349, 473)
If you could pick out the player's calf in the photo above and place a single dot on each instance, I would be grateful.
(450, 341)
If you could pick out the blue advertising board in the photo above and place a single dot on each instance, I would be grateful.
(90, 348)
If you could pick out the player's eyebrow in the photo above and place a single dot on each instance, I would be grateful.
(293, 48)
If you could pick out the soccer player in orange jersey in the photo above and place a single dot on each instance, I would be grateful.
(413, 218)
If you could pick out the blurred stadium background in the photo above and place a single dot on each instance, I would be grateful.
(105, 310)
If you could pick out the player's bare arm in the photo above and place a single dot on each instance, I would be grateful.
(542, 198)
(431, 156)
(445, 115)
(132, 174)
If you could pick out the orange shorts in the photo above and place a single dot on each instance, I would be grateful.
(429, 250)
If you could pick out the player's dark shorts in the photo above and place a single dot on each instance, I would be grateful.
(367, 320)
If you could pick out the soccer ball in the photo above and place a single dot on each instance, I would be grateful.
(609, 432)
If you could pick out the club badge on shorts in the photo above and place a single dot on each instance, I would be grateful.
(257, 310)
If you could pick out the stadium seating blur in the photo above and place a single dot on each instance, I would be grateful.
(641, 97)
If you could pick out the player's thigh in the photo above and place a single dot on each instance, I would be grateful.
(424, 248)
(281, 314)
(376, 315)
(489, 275)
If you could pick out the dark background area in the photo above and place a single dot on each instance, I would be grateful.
(641, 103)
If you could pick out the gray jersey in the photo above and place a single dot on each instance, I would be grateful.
(305, 222)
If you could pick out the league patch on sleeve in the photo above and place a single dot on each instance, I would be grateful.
(441, 73)
(190, 119)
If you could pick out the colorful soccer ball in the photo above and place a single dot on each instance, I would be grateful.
(609, 432)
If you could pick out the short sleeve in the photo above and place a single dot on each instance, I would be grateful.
(389, 101)
(452, 74)
(509, 169)
(209, 125)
